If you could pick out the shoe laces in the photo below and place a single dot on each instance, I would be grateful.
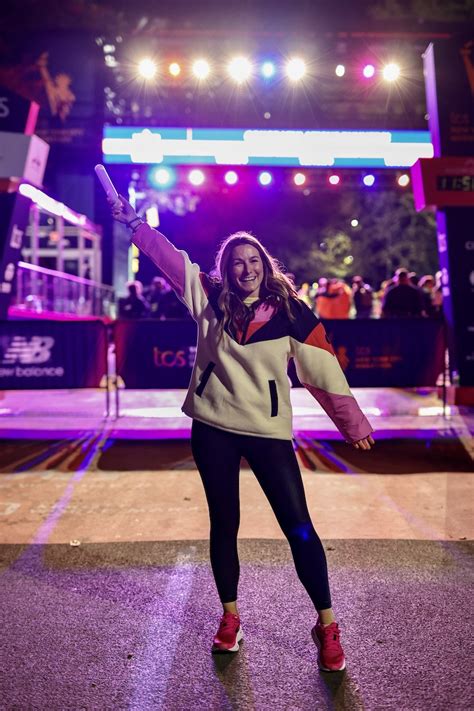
(228, 621)
(331, 635)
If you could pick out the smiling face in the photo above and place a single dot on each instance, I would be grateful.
(246, 270)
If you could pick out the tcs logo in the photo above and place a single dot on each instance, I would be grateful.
(183, 358)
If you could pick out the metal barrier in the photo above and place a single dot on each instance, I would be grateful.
(40, 290)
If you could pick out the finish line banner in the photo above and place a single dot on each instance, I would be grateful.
(37, 354)
(373, 353)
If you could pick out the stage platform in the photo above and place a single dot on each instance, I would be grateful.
(146, 414)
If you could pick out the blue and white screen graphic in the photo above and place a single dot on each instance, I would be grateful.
(259, 147)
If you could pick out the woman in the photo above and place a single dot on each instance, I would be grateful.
(250, 323)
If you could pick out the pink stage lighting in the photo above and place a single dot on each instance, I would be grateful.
(196, 177)
(299, 179)
(231, 177)
(403, 180)
(334, 179)
(368, 180)
(368, 71)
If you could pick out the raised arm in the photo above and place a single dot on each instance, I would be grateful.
(174, 264)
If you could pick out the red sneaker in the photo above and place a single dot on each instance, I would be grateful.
(228, 635)
(330, 653)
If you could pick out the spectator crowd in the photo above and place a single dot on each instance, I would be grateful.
(405, 295)
(157, 301)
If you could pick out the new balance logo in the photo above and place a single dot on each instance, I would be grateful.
(21, 350)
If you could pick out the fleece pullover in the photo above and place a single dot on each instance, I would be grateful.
(239, 381)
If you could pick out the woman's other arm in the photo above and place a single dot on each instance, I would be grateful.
(319, 371)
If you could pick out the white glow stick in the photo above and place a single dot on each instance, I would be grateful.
(107, 184)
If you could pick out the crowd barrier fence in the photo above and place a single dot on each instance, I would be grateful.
(150, 354)
(401, 353)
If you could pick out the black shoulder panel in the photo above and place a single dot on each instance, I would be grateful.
(305, 321)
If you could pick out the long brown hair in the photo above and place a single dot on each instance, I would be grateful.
(276, 287)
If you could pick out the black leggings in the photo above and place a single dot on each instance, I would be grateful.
(217, 454)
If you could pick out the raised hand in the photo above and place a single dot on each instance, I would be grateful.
(124, 212)
(365, 443)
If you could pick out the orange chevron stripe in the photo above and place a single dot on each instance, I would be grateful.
(253, 328)
(318, 338)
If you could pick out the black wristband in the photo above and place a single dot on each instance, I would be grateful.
(129, 224)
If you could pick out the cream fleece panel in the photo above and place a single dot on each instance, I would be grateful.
(318, 367)
(237, 394)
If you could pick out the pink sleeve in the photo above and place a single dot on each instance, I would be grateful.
(344, 411)
(175, 265)
(169, 260)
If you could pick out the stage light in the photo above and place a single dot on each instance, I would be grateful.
(240, 69)
(299, 178)
(201, 69)
(403, 180)
(340, 70)
(368, 71)
(174, 69)
(161, 177)
(368, 180)
(152, 216)
(147, 68)
(295, 69)
(268, 69)
(354, 222)
(265, 178)
(391, 72)
(231, 177)
(334, 179)
(196, 177)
